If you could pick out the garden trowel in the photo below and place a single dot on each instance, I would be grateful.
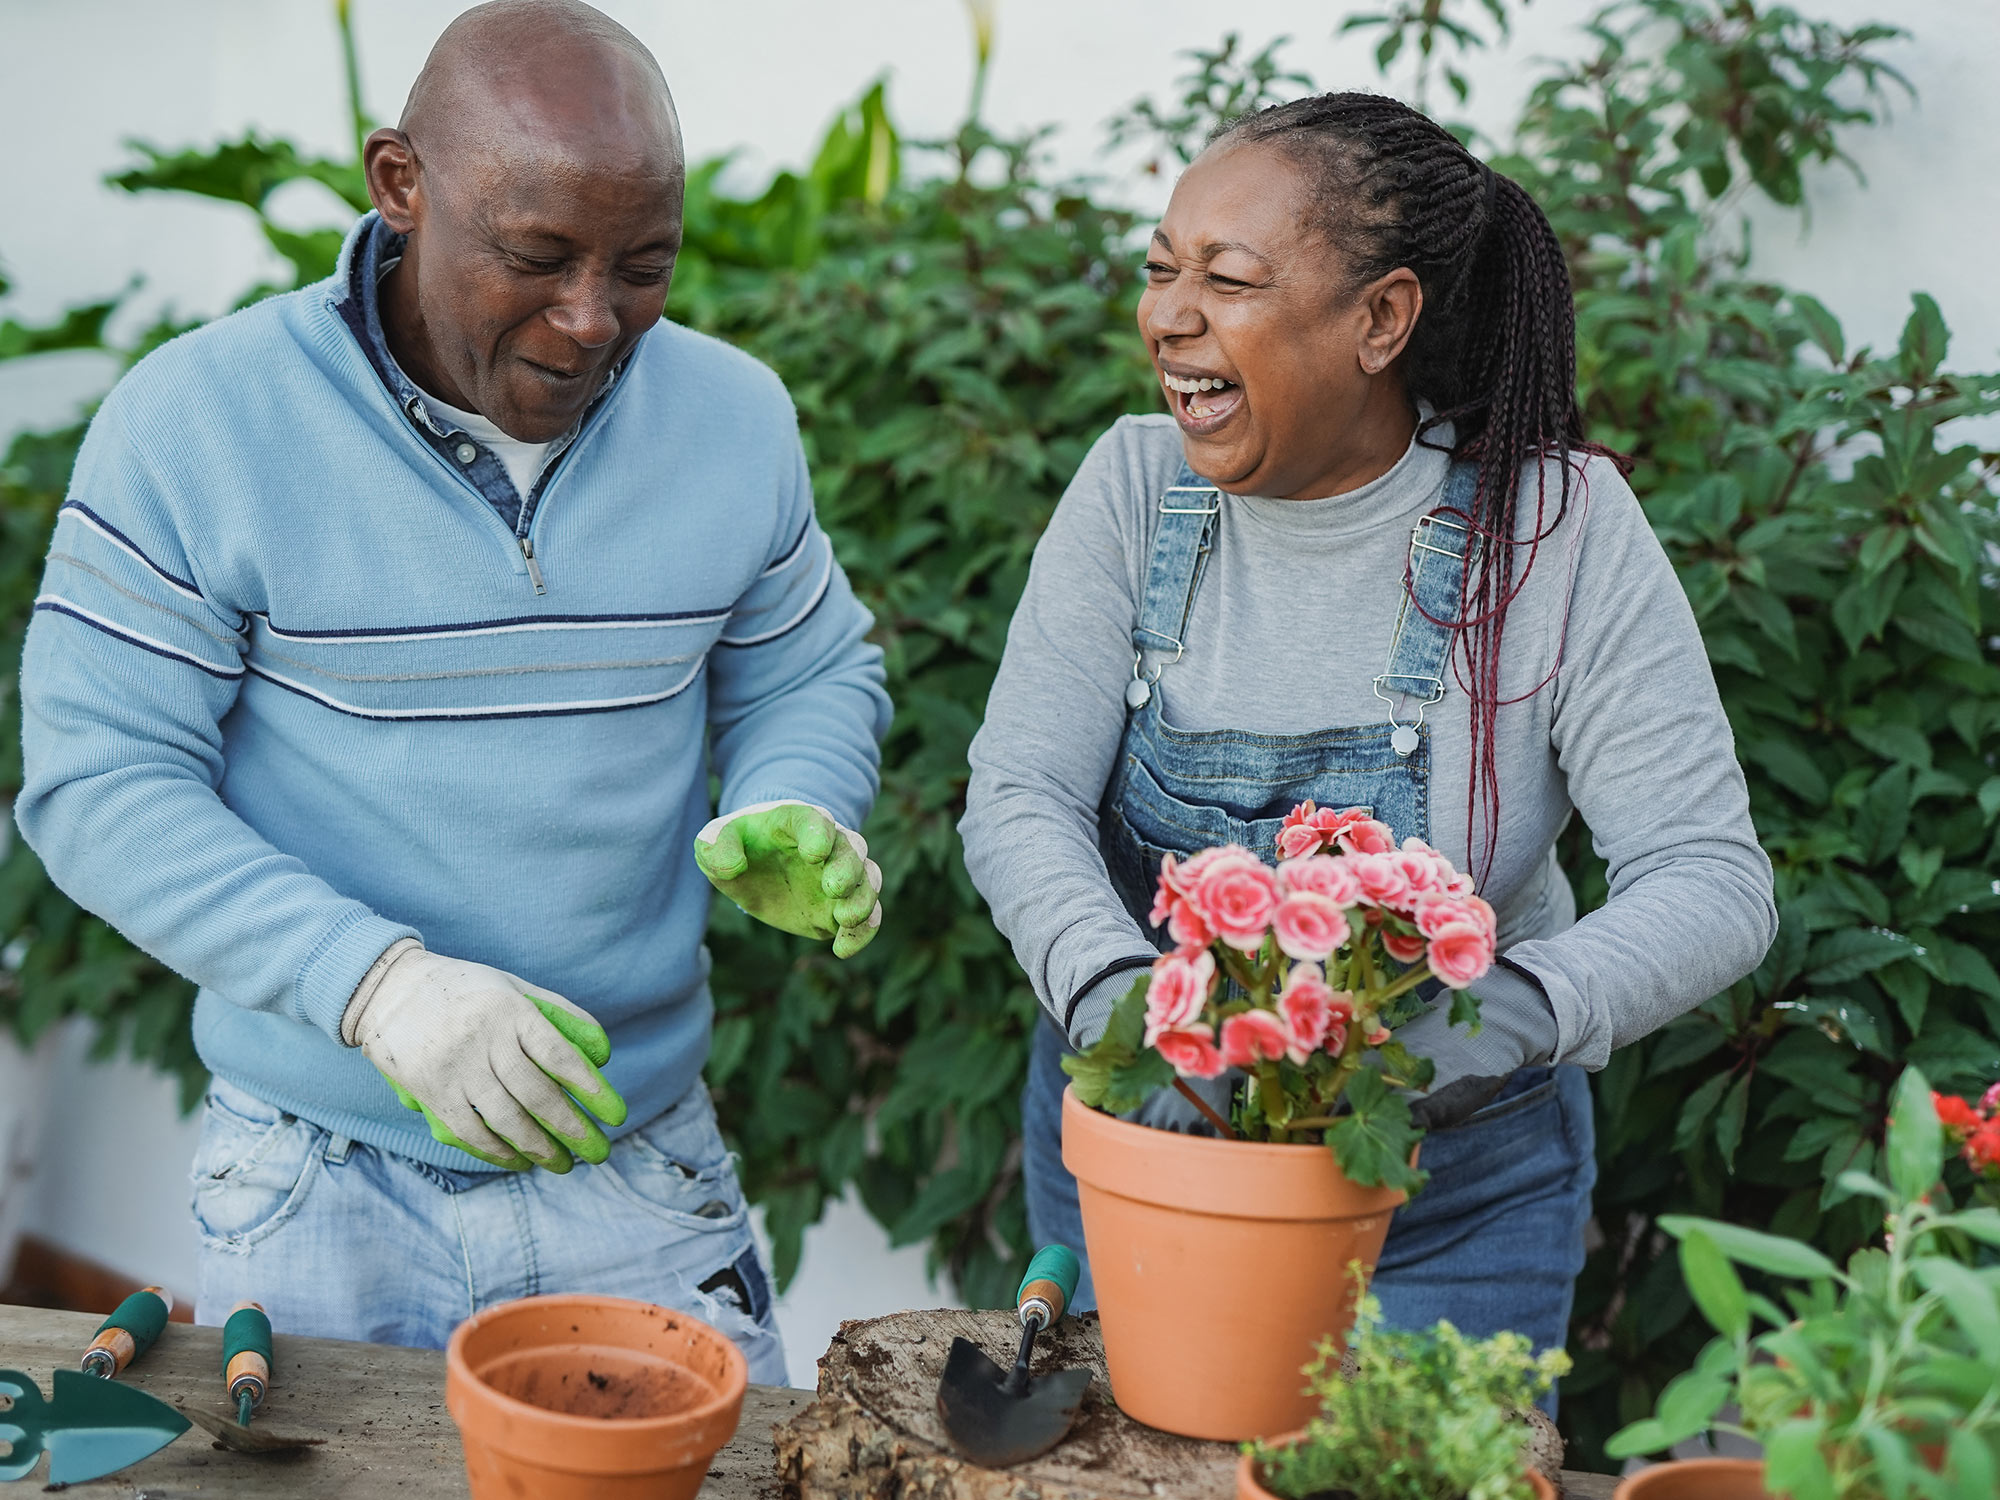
(246, 1371)
(998, 1417)
(89, 1428)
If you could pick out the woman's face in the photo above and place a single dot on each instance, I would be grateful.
(1281, 385)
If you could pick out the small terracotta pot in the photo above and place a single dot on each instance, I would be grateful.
(1696, 1479)
(1250, 1487)
(1219, 1267)
(591, 1398)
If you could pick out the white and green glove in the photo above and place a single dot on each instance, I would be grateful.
(792, 867)
(491, 1063)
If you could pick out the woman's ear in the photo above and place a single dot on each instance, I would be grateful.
(1388, 308)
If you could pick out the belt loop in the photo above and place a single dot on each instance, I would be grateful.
(337, 1147)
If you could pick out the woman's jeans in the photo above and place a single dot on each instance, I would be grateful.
(346, 1241)
(1495, 1239)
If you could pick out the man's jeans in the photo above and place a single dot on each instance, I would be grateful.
(341, 1240)
(1494, 1240)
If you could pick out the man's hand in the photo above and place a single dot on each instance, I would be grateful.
(789, 865)
(486, 1059)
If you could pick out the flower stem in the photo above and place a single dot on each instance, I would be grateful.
(1222, 1125)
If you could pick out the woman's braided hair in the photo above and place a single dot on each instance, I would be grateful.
(1493, 352)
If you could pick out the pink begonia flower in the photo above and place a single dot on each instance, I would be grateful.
(1190, 1051)
(1405, 950)
(1172, 907)
(1178, 991)
(1378, 1036)
(1252, 1037)
(1309, 926)
(1299, 840)
(1460, 953)
(1382, 880)
(1235, 897)
(1422, 870)
(1459, 885)
(1306, 1006)
(1990, 1100)
(1325, 875)
(1366, 836)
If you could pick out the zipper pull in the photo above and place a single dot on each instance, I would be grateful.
(534, 568)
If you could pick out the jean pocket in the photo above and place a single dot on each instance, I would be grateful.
(678, 1168)
(250, 1175)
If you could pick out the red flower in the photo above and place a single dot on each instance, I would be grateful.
(1982, 1147)
(1960, 1118)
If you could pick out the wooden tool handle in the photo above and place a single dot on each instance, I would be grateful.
(129, 1331)
(246, 1352)
(1049, 1285)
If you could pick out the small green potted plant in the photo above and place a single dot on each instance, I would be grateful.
(1425, 1414)
(1877, 1381)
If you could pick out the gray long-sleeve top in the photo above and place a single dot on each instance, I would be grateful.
(1291, 625)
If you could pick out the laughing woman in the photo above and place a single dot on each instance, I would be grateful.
(1370, 560)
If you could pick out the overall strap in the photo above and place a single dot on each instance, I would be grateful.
(1439, 548)
(1181, 546)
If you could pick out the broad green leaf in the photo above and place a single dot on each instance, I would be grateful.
(1374, 1141)
(1914, 1150)
(1750, 1247)
(1716, 1288)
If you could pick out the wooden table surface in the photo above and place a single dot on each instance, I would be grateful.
(380, 1409)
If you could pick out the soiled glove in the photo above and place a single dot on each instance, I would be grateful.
(792, 867)
(1517, 1028)
(490, 1061)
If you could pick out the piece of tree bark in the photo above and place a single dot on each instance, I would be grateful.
(874, 1432)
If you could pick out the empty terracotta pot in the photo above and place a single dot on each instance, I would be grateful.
(575, 1397)
(1250, 1487)
(1219, 1266)
(1696, 1479)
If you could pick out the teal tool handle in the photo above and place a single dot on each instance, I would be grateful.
(1049, 1285)
(128, 1333)
(246, 1352)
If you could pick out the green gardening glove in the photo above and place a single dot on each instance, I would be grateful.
(792, 867)
(498, 1070)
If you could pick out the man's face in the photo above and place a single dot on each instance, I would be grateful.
(531, 280)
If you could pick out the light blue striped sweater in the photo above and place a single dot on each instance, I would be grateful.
(290, 694)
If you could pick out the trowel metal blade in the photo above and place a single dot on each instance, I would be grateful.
(232, 1434)
(994, 1428)
(96, 1427)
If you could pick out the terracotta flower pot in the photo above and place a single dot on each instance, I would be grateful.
(1696, 1479)
(1219, 1266)
(1250, 1487)
(591, 1398)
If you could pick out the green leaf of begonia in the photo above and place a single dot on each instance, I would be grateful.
(1373, 1143)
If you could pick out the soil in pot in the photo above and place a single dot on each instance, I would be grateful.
(591, 1398)
(1201, 1337)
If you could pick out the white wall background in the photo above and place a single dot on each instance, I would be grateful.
(77, 77)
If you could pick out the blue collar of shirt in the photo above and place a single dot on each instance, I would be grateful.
(373, 253)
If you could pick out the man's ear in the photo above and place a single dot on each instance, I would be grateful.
(390, 164)
(1388, 308)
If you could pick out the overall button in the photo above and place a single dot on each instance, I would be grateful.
(467, 453)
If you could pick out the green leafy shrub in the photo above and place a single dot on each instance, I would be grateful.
(1424, 1415)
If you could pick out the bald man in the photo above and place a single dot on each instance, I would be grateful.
(391, 634)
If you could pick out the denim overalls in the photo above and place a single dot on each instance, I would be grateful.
(1496, 1238)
